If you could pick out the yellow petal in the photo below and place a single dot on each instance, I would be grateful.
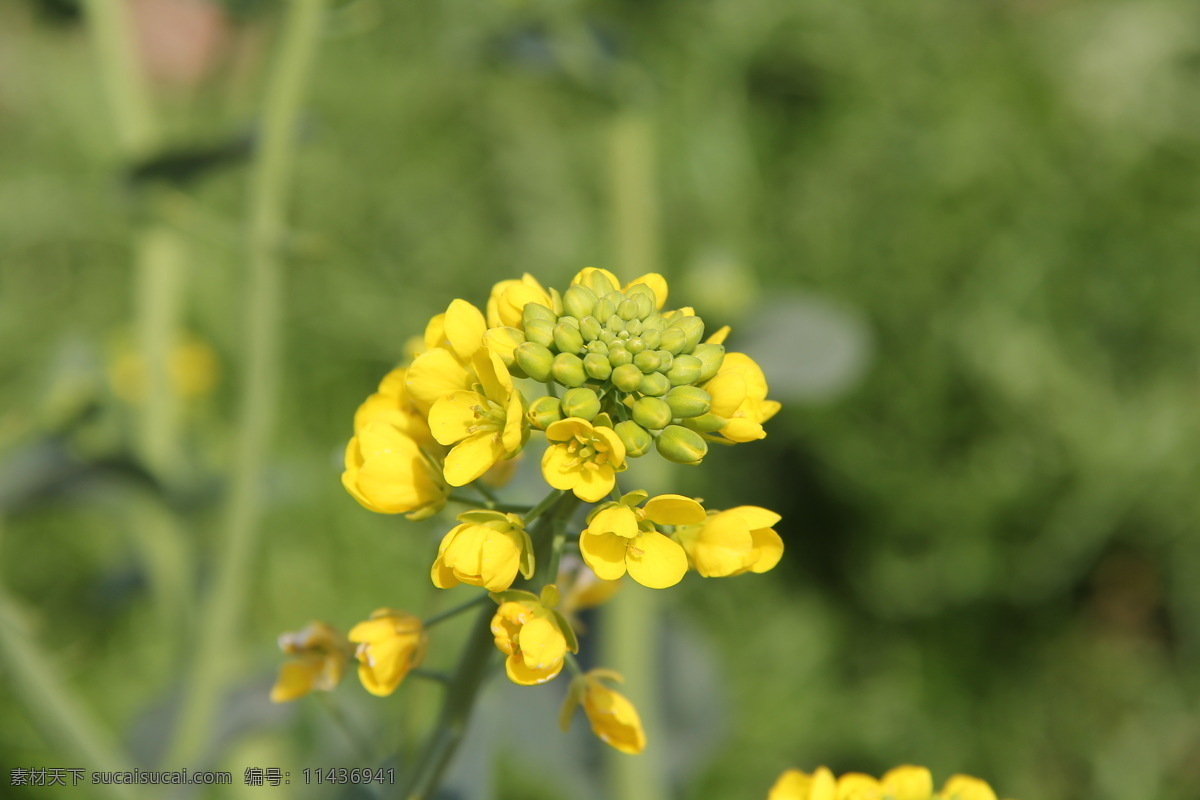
(555, 468)
(522, 674)
(791, 785)
(295, 680)
(564, 430)
(908, 783)
(768, 549)
(856, 786)
(616, 519)
(593, 485)
(674, 509)
(543, 646)
(465, 327)
(472, 457)
(434, 374)
(719, 336)
(728, 392)
(655, 561)
(614, 719)
(604, 553)
(756, 516)
(515, 430)
(743, 430)
(454, 416)
(723, 546)
(441, 575)
(964, 787)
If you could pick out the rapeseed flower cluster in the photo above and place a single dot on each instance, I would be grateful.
(901, 783)
(599, 373)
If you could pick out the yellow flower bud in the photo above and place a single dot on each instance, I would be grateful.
(320, 663)
(681, 445)
(612, 717)
(488, 549)
(390, 644)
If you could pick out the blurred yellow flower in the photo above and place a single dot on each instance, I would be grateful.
(320, 663)
(484, 424)
(612, 717)
(533, 636)
(388, 472)
(583, 458)
(192, 370)
(739, 396)
(796, 785)
(964, 787)
(908, 783)
(488, 549)
(621, 537)
(390, 644)
(731, 542)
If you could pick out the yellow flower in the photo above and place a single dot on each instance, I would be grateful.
(731, 542)
(487, 549)
(320, 663)
(485, 424)
(856, 786)
(452, 340)
(583, 458)
(621, 537)
(796, 785)
(612, 717)
(387, 472)
(964, 787)
(601, 281)
(390, 644)
(908, 783)
(739, 396)
(392, 404)
(509, 298)
(533, 635)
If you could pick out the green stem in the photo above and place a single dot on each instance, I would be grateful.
(449, 613)
(541, 507)
(479, 654)
(263, 301)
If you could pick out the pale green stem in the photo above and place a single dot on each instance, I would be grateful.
(62, 717)
(631, 626)
(479, 654)
(159, 253)
(260, 392)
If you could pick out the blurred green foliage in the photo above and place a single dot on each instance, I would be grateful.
(992, 525)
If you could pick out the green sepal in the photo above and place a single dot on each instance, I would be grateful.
(635, 498)
(567, 631)
(482, 516)
(527, 562)
(512, 596)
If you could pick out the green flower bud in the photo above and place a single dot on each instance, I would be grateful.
(688, 401)
(567, 338)
(597, 366)
(673, 340)
(568, 370)
(539, 331)
(652, 338)
(598, 347)
(626, 377)
(607, 306)
(681, 445)
(651, 413)
(627, 310)
(655, 322)
(534, 359)
(634, 326)
(647, 361)
(665, 360)
(635, 438)
(706, 423)
(655, 384)
(537, 311)
(619, 356)
(579, 301)
(711, 356)
(614, 323)
(684, 369)
(642, 300)
(582, 403)
(590, 328)
(693, 330)
(635, 345)
(544, 411)
(607, 336)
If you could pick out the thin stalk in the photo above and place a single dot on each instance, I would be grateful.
(479, 654)
(263, 301)
(632, 622)
(454, 611)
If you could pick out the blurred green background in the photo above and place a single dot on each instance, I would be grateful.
(960, 237)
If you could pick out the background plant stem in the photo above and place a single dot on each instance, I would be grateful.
(260, 390)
